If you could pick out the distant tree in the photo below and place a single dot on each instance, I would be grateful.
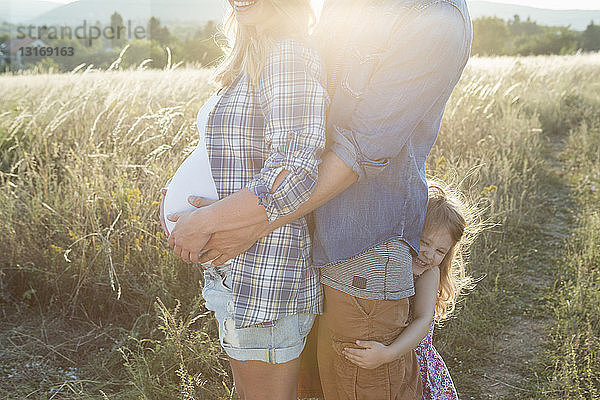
(4, 54)
(118, 32)
(202, 48)
(566, 41)
(528, 27)
(45, 65)
(203, 51)
(150, 54)
(590, 38)
(209, 30)
(494, 36)
(554, 40)
(158, 33)
(490, 36)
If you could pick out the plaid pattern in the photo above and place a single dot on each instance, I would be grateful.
(255, 132)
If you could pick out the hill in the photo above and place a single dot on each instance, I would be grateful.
(39, 12)
(138, 11)
(577, 19)
(24, 10)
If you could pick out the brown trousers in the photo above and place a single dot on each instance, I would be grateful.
(345, 319)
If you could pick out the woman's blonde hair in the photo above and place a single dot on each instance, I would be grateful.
(447, 209)
(247, 49)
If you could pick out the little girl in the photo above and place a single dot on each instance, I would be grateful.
(440, 276)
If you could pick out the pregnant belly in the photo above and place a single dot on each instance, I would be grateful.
(193, 177)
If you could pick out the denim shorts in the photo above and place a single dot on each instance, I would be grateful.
(277, 343)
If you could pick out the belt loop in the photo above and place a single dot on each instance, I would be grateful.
(271, 355)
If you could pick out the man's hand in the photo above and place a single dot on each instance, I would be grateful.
(225, 245)
(372, 355)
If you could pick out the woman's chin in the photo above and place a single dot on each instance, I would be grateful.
(249, 14)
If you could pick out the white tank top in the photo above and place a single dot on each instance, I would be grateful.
(194, 176)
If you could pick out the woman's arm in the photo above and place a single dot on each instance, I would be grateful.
(334, 177)
(374, 354)
(294, 104)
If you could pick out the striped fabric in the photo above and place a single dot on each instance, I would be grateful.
(254, 133)
(383, 272)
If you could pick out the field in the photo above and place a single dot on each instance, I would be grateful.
(94, 306)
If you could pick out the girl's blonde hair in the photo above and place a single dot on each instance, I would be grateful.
(247, 49)
(447, 209)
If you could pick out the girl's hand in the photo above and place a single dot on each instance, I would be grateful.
(372, 355)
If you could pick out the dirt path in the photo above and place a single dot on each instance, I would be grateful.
(511, 372)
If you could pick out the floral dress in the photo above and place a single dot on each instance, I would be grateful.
(437, 384)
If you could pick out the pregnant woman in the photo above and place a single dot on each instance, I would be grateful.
(261, 139)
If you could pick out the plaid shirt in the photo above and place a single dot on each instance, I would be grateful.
(254, 133)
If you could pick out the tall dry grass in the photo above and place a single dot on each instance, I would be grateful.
(83, 156)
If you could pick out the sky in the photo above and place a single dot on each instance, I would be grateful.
(551, 4)
(556, 4)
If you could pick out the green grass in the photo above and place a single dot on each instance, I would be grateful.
(83, 259)
(498, 346)
(575, 339)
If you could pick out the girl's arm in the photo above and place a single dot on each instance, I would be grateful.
(373, 354)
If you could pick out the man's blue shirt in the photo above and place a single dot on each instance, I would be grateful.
(392, 65)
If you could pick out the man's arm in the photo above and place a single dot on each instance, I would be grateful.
(425, 60)
(427, 57)
(334, 177)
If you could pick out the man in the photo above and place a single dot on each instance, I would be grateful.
(392, 65)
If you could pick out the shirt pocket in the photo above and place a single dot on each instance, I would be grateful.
(366, 48)
(361, 67)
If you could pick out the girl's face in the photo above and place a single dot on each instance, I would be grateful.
(435, 244)
(253, 12)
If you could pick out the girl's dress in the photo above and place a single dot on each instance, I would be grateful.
(437, 384)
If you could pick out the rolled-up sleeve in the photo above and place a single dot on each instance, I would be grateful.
(294, 102)
(425, 60)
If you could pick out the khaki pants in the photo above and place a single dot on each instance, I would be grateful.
(347, 318)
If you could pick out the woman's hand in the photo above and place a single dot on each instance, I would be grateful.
(372, 355)
(188, 237)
